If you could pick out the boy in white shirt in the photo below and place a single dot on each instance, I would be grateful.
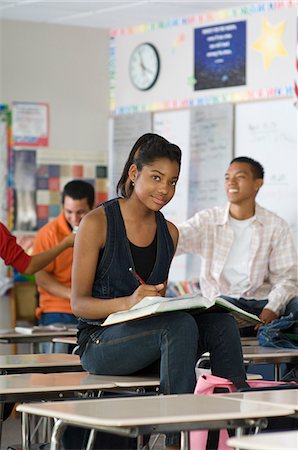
(247, 252)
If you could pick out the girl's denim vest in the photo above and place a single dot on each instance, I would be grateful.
(113, 278)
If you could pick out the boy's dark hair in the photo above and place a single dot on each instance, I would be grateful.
(146, 150)
(256, 168)
(78, 190)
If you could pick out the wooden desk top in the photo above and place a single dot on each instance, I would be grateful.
(282, 397)
(285, 440)
(11, 337)
(51, 382)
(55, 382)
(65, 340)
(168, 409)
(268, 354)
(54, 362)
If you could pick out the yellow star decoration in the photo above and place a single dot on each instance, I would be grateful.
(269, 43)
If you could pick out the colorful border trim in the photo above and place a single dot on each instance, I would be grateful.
(200, 19)
(210, 16)
(234, 97)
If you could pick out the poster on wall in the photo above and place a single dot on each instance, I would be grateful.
(30, 124)
(220, 56)
(24, 188)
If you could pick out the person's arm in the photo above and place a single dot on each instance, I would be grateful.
(40, 260)
(49, 283)
(173, 230)
(282, 272)
(190, 234)
(89, 241)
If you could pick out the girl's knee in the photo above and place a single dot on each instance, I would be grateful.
(185, 324)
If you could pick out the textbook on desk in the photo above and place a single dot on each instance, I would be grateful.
(195, 302)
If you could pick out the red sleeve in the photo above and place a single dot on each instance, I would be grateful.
(11, 252)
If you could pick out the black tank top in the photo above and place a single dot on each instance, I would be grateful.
(144, 258)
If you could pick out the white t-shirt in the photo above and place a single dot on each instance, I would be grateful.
(236, 267)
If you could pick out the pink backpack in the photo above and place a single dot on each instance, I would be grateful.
(206, 385)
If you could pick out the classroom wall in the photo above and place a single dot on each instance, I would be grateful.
(66, 67)
(1, 62)
(191, 71)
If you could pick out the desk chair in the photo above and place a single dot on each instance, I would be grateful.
(23, 301)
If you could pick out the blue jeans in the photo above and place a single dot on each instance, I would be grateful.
(177, 340)
(59, 320)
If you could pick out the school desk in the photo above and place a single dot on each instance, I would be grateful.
(285, 440)
(11, 337)
(44, 363)
(277, 396)
(269, 355)
(30, 387)
(256, 354)
(150, 415)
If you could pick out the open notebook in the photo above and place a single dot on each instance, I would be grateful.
(195, 302)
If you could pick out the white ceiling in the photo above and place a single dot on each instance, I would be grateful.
(107, 14)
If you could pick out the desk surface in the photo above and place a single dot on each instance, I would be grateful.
(65, 340)
(54, 382)
(11, 337)
(168, 409)
(285, 440)
(284, 397)
(258, 351)
(39, 362)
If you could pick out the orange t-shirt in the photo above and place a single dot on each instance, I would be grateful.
(48, 236)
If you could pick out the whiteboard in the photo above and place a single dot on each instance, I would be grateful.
(211, 150)
(267, 132)
(174, 126)
(125, 130)
(211, 131)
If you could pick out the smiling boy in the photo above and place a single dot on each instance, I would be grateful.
(247, 252)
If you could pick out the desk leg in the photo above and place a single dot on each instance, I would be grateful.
(184, 445)
(91, 439)
(25, 431)
(57, 432)
(1, 418)
(277, 372)
(238, 433)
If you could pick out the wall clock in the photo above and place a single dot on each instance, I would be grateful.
(144, 66)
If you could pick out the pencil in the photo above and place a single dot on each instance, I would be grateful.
(137, 277)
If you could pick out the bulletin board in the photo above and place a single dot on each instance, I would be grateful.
(223, 56)
(267, 132)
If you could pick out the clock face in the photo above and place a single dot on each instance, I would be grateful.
(144, 66)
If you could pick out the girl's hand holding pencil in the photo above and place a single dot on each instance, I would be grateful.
(144, 290)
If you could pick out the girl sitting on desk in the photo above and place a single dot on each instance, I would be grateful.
(131, 232)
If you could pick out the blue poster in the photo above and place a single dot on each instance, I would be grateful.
(220, 56)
